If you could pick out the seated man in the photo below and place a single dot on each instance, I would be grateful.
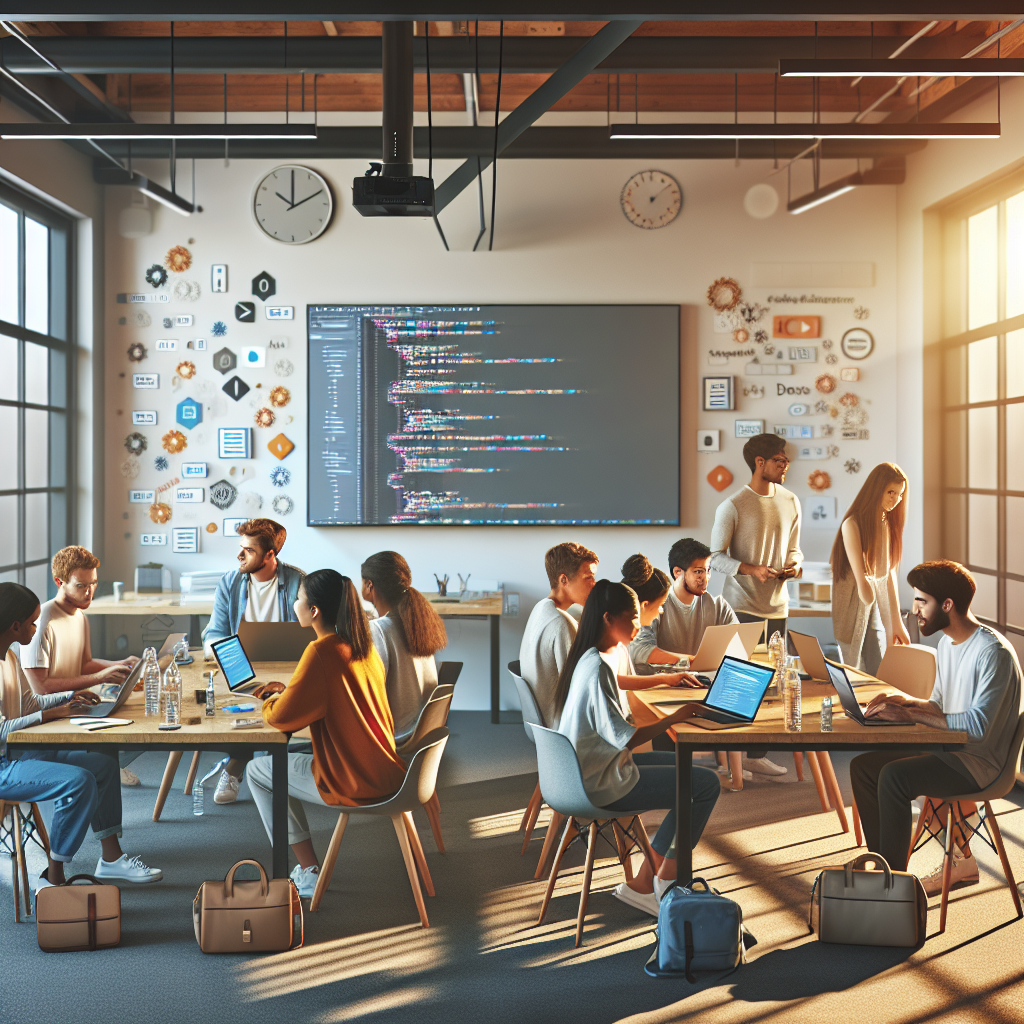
(977, 691)
(82, 784)
(687, 612)
(262, 589)
(550, 630)
(60, 657)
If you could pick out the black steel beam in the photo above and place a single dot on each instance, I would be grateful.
(567, 10)
(536, 143)
(254, 55)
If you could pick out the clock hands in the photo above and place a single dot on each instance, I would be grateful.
(285, 199)
(291, 202)
(665, 189)
(306, 200)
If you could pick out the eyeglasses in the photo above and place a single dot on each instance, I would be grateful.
(780, 460)
(81, 587)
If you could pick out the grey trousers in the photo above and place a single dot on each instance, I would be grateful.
(301, 788)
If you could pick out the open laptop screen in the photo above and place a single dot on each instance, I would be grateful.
(844, 689)
(739, 687)
(233, 661)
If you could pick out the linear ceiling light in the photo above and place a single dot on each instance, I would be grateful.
(824, 194)
(807, 130)
(963, 67)
(135, 132)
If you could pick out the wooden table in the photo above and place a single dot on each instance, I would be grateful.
(487, 607)
(210, 734)
(768, 732)
(152, 604)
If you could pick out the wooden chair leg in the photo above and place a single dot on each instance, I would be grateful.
(550, 842)
(173, 759)
(410, 868)
(832, 785)
(947, 868)
(535, 801)
(417, 852)
(19, 839)
(798, 763)
(553, 877)
(323, 881)
(191, 776)
(621, 846)
(927, 811)
(14, 886)
(857, 832)
(44, 838)
(645, 845)
(533, 809)
(997, 838)
(433, 809)
(588, 874)
(736, 770)
(819, 782)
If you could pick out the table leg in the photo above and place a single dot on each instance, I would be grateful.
(280, 810)
(684, 814)
(495, 668)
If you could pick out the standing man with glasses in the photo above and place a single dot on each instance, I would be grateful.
(755, 542)
(688, 610)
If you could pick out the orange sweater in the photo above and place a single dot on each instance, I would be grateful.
(345, 704)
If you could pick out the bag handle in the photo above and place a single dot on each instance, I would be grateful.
(676, 884)
(88, 878)
(865, 858)
(229, 882)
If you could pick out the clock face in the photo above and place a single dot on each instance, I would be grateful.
(651, 199)
(292, 204)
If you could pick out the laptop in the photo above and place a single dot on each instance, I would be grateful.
(735, 695)
(109, 707)
(811, 656)
(275, 641)
(234, 663)
(715, 643)
(163, 656)
(843, 686)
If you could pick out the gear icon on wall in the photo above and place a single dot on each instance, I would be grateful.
(160, 463)
(282, 504)
(852, 466)
(160, 512)
(135, 443)
(137, 352)
(219, 329)
(280, 476)
(156, 276)
(174, 441)
(280, 396)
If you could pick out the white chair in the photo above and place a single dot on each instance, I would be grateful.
(417, 789)
(988, 831)
(561, 783)
(433, 716)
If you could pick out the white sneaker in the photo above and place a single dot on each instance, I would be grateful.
(645, 901)
(661, 885)
(305, 879)
(128, 869)
(227, 789)
(129, 778)
(762, 766)
(725, 773)
(43, 882)
(963, 873)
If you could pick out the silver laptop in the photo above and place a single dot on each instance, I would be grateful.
(843, 686)
(811, 656)
(109, 707)
(275, 641)
(735, 695)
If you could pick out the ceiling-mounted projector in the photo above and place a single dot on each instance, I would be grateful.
(376, 195)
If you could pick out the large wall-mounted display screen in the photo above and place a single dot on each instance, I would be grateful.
(493, 415)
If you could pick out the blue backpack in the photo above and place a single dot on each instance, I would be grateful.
(698, 930)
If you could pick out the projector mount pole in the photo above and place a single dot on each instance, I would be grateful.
(398, 104)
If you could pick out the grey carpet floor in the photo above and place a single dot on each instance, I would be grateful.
(484, 958)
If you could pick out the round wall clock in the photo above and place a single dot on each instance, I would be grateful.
(292, 204)
(857, 343)
(651, 199)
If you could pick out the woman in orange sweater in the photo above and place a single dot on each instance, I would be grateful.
(337, 689)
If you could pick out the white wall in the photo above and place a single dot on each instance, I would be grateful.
(560, 237)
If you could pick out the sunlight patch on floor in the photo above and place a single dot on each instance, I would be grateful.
(378, 1003)
(505, 823)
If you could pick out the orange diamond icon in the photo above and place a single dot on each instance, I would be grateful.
(280, 446)
(719, 478)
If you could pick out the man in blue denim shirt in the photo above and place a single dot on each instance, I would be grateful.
(263, 589)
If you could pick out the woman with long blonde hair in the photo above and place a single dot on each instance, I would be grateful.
(865, 563)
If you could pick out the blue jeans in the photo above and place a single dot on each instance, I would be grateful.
(72, 790)
(103, 767)
(656, 788)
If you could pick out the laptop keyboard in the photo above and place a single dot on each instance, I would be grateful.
(716, 716)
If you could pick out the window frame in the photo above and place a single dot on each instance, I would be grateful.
(61, 343)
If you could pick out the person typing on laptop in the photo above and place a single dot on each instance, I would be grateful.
(82, 784)
(977, 691)
(60, 655)
(261, 589)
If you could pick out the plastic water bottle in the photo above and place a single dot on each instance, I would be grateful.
(777, 659)
(171, 694)
(151, 681)
(791, 696)
(211, 697)
(826, 714)
(198, 794)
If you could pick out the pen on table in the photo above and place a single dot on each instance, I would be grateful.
(111, 725)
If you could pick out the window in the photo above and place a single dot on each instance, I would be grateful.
(982, 374)
(36, 369)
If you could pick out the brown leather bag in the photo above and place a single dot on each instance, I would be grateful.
(248, 916)
(73, 917)
(868, 908)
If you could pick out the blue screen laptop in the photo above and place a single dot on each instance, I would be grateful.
(735, 695)
(234, 663)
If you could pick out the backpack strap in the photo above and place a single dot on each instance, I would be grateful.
(92, 920)
(688, 936)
